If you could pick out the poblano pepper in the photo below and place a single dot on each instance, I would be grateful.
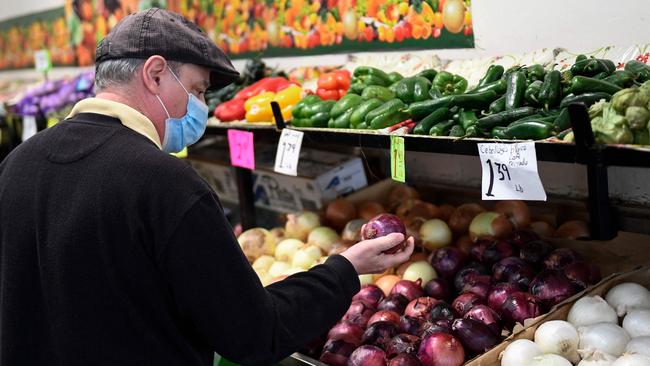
(413, 89)
(449, 84)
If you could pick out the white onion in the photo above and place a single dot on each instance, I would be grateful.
(591, 310)
(519, 351)
(637, 323)
(548, 360)
(287, 248)
(278, 268)
(263, 263)
(627, 296)
(640, 345)
(560, 338)
(632, 360)
(597, 359)
(603, 337)
(324, 238)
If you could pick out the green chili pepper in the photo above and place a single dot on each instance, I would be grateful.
(449, 84)
(493, 73)
(530, 130)
(551, 90)
(515, 90)
(479, 101)
(622, 78)
(441, 128)
(498, 105)
(360, 112)
(592, 66)
(423, 127)
(468, 118)
(531, 96)
(498, 87)
(429, 74)
(562, 121)
(640, 70)
(457, 131)
(583, 84)
(487, 123)
(534, 72)
(587, 98)
(499, 132)
(349, 101)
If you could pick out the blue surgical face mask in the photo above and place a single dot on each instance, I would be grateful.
(184, 131)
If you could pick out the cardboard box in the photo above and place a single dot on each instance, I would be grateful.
(322, 177)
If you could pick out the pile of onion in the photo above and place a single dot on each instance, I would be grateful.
(256, 243)
(369, 209)
(339, 212)
(299, 225)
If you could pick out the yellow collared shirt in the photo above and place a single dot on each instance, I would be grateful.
(129, 117)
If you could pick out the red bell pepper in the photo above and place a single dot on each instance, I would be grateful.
(333, 85)
(232, 110)
(270, 84)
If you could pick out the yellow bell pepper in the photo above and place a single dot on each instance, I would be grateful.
(258, 108)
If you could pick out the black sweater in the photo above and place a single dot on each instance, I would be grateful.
(113, 252)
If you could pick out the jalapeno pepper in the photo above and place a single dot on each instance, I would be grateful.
(587, 98)
(479, 101)
(349, 101)
(498, 105)
(516, 88)
(592, 66)
(467, 118)
(442, 128)
(498, 87)
(583, 84)
(531, 96)
(535, 72)
(423, 127)
(622, 78)
(640, 70)
(530, 130)
(493, 73)
(413, 89)
(551, 90)
(428, 74)
(457, 131)
(388, 114)
(360, 112)
(449, 84)
(394, 77)
(499, 133)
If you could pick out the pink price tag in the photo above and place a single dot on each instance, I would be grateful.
(242, 153)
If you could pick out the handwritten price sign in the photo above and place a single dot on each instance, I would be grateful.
(397, 159)
(510, 172)
(242, 152)
(288, 153)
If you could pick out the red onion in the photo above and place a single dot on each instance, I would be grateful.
(384, 316)
(476, 253)
(441, 349)
(582, 274)
(367, 356)
(552, 287)
(465, 302)
(487, 316)
(520, 306)
(382, 225)
(497, 251)
(371, 295)
(402, 343)
(499, 294)
(441, 310)
(439, 326)
(394, 302)
(358, 314)
(522, 237)
(410, 325)
(513, 270)
(561, 257)
(379, 334)
(404, 360)
(534, 252)
(350, 333)
(409, 289)
(447, 261)
(472, 269)
(336, 352)
(438, 288)
(420, 307)
(475, 336)
(479, 285)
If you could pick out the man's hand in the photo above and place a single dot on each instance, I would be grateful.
(367, 256)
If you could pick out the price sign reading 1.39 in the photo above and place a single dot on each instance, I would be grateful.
(510, 172)
(288, 153)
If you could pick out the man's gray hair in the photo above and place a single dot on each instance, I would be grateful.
(119, 72)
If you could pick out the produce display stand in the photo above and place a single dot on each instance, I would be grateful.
(604, 223)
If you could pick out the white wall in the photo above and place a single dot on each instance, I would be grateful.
(12, 9)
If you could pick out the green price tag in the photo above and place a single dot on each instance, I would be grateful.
(397, 163)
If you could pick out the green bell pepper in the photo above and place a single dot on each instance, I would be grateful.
(365, 71)
(380, 92)
(449, 84)
(413, 89)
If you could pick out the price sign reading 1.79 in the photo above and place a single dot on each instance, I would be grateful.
(288, 153)
(510, 172)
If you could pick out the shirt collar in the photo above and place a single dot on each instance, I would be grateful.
(129, 117)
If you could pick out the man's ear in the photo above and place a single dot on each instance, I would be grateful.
(152, 72)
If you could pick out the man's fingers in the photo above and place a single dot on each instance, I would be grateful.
(404, 254)
(386, 242)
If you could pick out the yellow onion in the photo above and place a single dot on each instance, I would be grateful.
(306, 256)
(491, 225)
(256, 243)
(300, 224)
(324, 238)
(435, 234)
(421, 270)
(286, 249)
(263, 263)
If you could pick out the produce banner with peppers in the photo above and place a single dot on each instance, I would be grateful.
(244, 28)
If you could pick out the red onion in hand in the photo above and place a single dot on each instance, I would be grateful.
(382, 225)
(367, 356)
(465, 302)
(371, 295)
(552, 287)
(441, 349)
(409, 289)
(420, 307)
(402, 343)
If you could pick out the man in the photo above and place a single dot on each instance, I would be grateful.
(113, 252)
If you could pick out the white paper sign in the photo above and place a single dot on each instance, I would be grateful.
(288, 154)
(29, 127)
(42, 60)
(510, 172)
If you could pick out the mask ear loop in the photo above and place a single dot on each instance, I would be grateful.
(163, 105)
(177, 79)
